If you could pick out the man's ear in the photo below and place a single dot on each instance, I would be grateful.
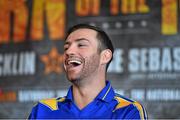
(106, 56)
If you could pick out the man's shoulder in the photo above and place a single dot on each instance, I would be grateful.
(123, 101)
(44, 108)
(50, 103)
(130, 105)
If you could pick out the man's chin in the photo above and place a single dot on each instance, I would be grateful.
(72, 78)
(75, 81)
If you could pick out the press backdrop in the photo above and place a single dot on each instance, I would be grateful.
(145, 33)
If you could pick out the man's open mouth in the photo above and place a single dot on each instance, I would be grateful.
(73, 63)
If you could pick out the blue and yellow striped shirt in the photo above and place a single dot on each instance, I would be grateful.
(107, 105)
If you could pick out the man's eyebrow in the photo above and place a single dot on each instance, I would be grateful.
(77, 40)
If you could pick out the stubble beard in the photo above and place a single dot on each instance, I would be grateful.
(90, 68)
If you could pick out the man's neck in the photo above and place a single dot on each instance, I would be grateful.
(83, 95)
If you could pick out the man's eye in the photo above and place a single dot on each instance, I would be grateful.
(65, 48)
(81, 45)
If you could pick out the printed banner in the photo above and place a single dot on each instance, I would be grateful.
(145, 34)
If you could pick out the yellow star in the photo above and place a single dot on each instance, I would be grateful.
(53, 61)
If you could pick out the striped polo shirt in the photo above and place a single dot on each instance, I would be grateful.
(107, 105)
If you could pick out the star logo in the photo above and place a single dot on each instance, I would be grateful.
(53, 61)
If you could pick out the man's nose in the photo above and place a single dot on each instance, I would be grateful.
(71, 50)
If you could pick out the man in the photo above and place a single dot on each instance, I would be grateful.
(87, 54)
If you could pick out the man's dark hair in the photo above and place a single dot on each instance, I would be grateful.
(104, 40)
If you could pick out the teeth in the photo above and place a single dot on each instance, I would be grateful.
(74, 61)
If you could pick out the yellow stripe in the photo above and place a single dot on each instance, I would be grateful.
(51, 103)
(121, 103)
(61, 100)
(139, 107)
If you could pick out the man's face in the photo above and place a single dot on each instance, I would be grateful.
(81, 57)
